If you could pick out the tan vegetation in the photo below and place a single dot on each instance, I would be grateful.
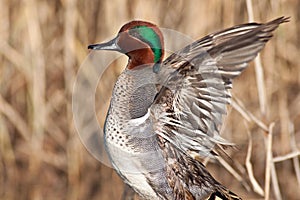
(42, 45)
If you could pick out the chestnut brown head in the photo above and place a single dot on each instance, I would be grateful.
(141, 41)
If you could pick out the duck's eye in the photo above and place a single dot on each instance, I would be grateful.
(150, 37)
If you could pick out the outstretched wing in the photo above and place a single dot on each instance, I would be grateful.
(188, 110)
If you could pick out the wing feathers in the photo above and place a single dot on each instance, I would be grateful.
(196, 93)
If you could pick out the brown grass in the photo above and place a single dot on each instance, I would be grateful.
(43, 43)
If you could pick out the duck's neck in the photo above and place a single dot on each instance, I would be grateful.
(140, 58)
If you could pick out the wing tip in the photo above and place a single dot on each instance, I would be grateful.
(280, 20)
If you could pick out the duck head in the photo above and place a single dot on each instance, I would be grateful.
(141, 41)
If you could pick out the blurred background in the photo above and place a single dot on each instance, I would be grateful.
(42, 45)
